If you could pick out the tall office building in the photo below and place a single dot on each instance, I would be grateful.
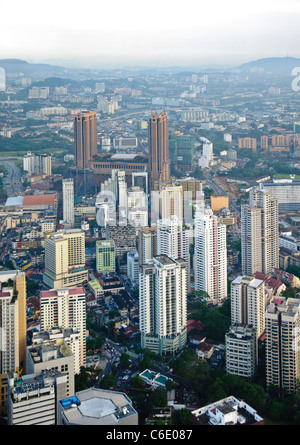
(147, 244)
(207, 155)
(171, 202)
(173, 240)
(37, 164)
(65, 308)
(68, 201)
(158, 140)
(181, 150)
(105, 256)
(210, 259)
(136, 198)
(283, 344)
(65, 259)
(85, 138)
(12, 328)
(140, 179)
(163, 305)
(248, 303)
(259, 233)
(133, 267)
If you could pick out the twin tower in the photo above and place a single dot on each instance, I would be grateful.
(85, 144)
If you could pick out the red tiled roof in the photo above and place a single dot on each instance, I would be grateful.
(39, 200)
(193, 324)
(260, 276)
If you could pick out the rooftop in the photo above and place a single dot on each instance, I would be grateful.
(228, 411)
(39, 200)
(56, 292)
(98, 407)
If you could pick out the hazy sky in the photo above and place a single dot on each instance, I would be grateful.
(95, 33)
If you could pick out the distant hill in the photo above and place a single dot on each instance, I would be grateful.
(275, 65)
(21, 66)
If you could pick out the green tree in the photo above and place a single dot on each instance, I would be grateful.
(158, 398)
(83, 380)
(182, 417)
(108, 381)
(137, 382)
(124, 360)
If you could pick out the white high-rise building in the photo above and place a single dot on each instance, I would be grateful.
(163, 305)
(106, 209)
(65, 308)
(37, 164)
(207, 155)
(174, 241)
(136, 198)
(138, 217)
(122, 197)
(259, 233)
(171, 202)
(283, 344)
(133, 267)
(248, 303)
(68, 201)
(210, 260)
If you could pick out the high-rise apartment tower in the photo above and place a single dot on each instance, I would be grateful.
(259, 233)
(85, 138)
(158, 140)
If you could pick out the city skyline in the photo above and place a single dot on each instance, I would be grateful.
(198, 34)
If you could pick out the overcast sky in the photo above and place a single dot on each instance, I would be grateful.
(95, 33)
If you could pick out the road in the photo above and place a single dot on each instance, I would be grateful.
(12, 178)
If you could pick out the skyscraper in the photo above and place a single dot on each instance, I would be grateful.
(259, 233)
(162, 305)
(12, 328)
(65, 308)
(173, 240)
(85, 138)
(171, 202)
(248, 303)
(147, 244)
(283, 344)
(65, 259)
(158, 140)
(68, 201)
(210, 260)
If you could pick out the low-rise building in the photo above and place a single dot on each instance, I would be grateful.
(228, 411)
(97, 407)
(154, 379)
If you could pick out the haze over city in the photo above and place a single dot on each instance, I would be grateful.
(150, 215)
(116, 34)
